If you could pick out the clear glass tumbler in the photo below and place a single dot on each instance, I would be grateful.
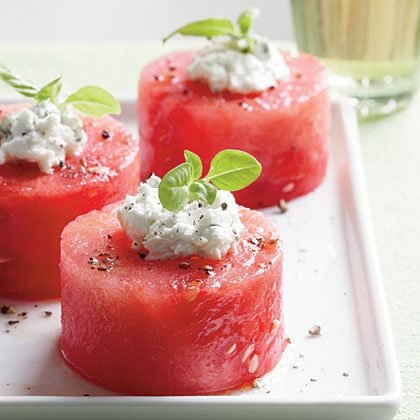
(370, 46)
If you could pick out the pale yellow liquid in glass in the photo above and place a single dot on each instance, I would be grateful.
(370, 46)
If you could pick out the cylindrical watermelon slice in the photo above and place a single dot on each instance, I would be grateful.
(175, 327)
(35, 207)
(285, 128)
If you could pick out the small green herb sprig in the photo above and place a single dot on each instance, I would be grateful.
(230, 170)
(241, 34)
(90, 100)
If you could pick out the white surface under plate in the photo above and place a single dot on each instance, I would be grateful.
(331, 279)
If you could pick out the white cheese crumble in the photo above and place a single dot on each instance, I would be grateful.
(198, 229)
(42, 134)
(223, 66)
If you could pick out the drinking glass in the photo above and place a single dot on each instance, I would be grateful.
(370, 46)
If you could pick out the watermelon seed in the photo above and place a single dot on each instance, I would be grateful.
(142, 255)
(184, 265)
(105, 134)
(272, 241)
(288, 187)
(248, 352)
(231, 349)
(13, 322)
(224, 206)
(283, 206)
(345, 374)
(253, 364)
(47, 314)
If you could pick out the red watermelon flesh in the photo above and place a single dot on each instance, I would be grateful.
(153, 328)
(35, 207)
(285, 128)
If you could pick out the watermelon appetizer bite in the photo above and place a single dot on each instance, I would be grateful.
(242, 92)
(177, 290)
(58, 159)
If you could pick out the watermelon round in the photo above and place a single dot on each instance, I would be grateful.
(35, 207)
(285, 128)
(175, 327)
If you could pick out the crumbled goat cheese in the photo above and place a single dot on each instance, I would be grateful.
(198, 229)
(42, 134)
(223, 66)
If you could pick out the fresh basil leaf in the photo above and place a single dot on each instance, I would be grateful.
(49, 91)
(204, 191)
(207, 28)
(250, 47)
(173, 188)
(94, 101)
(246, 19)
(232, 170)
(195, 161)
(22, 86)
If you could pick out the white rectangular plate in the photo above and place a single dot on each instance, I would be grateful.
(331, 279)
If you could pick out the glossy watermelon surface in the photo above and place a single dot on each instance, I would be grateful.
(35, 207)
(285, 127)
(163, 328)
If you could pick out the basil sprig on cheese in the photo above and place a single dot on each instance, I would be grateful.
(230, 170)
(90, 100)
(241, 34)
